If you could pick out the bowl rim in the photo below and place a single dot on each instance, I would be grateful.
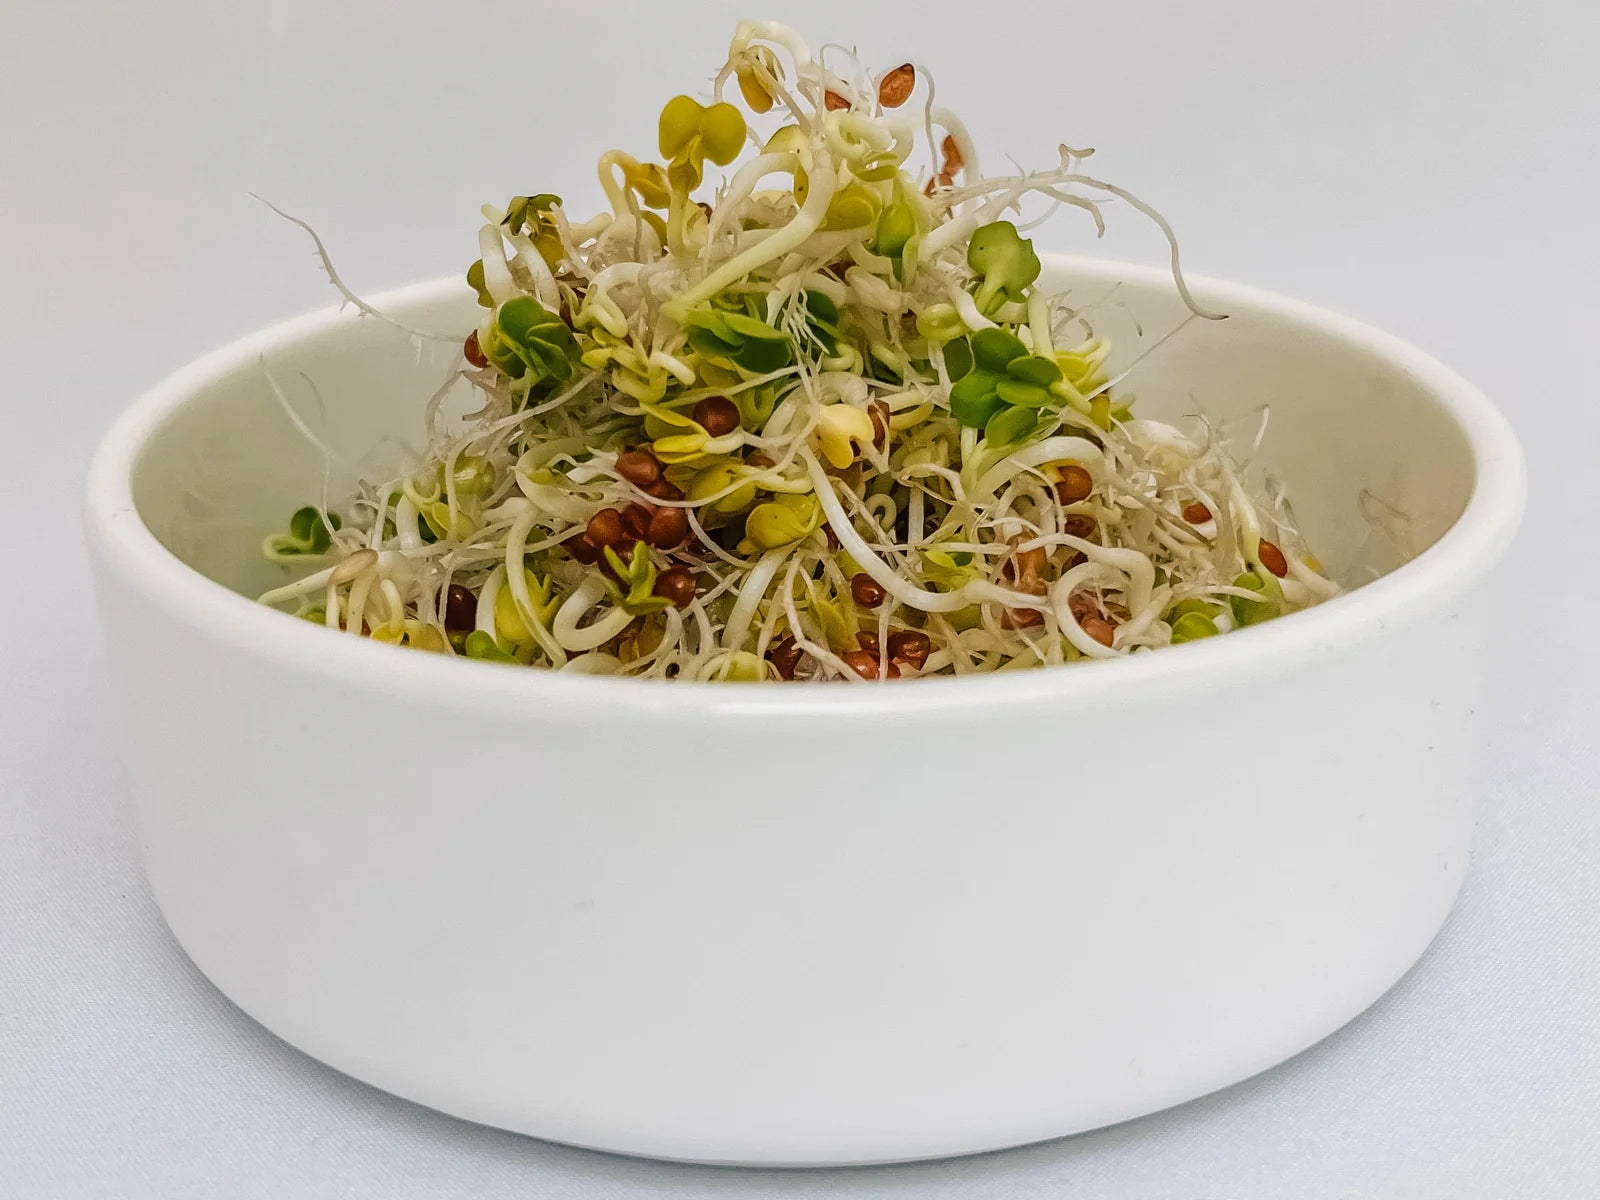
(133, 557)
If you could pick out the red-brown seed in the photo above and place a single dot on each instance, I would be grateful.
(668, 528)
(1021, 618)
(879, 412)
(833, 102)
(1081, 604)
(760, 459)
(1099, 629)
(1079, 526)
(705, 208)
(677, 585)
(639, 467)
(474, 352)
(785, 656)
(1196, 513)
(636, 520)
(953, 161)
(460, 609)
(717, 415)
(894, 89)
(866, 591)
(1272, 558)
(1075, 485)
(583, 550)
(605, 527)
(867, 640)
(910, 646)
(662, 490)
(1024, 566)
(866, 665)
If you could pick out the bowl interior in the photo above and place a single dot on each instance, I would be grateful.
(1375, 466)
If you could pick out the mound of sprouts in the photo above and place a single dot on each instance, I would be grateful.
(818, 421)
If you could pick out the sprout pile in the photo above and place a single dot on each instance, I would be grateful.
(818, 421)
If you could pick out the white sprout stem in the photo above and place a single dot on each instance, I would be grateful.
(338, 574)
(544, 283)
(1060, 596)
(751, 593)
(517, 579)
(405, 525)
(886, 576)
(497, 280)
(483, 617)
(967, 308)
(776, 33)
(957, 129)
(350, 297)
(1143, 618)
(806, 222)
(743, 185)
(1039, 323)
(1136, 566)
(576, 606)
(595, 663)
(1053, 449)
(1319, 585)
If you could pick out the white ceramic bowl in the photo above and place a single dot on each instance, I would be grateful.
(807, 924)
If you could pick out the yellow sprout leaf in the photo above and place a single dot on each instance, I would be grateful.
(782, 521)
(649, 183)
(722, 133)
(689, 133)
(853, 206)
(840, 427)
(715, 478)
(508, 623)
(751, 87)
(791, 139)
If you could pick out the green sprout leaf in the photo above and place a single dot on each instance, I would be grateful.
(528, 338)
(1253, 612)
(637, 576)
(1034, 369)
(958, 358)
(973, 399)
(1193, 626)
(995, 349)
(1010, 425)
(307, 535)
(476, 283)
(1006, 261)
(532, 214)
(1027, 395)
(524, 212)
(992, 369)
(822, 320)
(481, 646)
(737, 338)
(897, 225)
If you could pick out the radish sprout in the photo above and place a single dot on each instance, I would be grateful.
(815, 420)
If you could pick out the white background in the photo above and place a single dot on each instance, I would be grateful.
(1429, 167)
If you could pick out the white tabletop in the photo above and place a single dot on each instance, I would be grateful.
(1429, 167)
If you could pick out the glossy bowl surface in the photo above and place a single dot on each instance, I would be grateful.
(808, 924)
